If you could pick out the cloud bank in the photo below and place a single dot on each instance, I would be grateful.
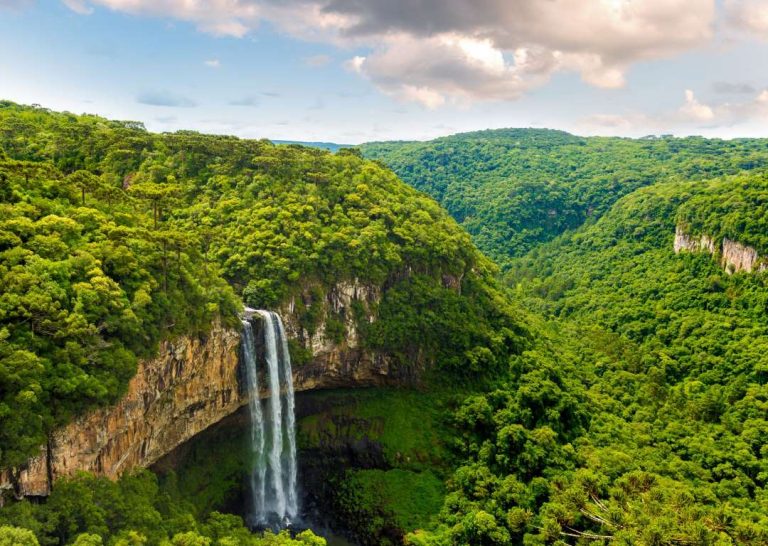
(748, 15)
(693, 116)
(442, 51)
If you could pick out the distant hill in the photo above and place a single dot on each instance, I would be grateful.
(644, 258)
(330, 146)
(513, 189)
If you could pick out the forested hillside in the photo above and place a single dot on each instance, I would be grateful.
(513, 189)
(113, 238)
(627, 404)
(729, 208)
(659, 434)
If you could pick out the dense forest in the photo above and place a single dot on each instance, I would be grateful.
(598, 388)
(114, 238)
(513, 189)
(665, 406)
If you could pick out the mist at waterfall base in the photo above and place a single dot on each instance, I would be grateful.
(272, 483)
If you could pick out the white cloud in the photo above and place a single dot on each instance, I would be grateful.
(593, 69)
(453, 68)
(220, 17)
(753, 110)
(355, 64)
(423, 95)
(440, 51)
(693, 117)
(212, 63)
(78, 6)
(725, 113)
(694, 110)
(748, 15)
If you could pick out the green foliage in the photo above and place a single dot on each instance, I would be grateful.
(14, 536)
(86, 287)
(205, 479)
(677, 347)
(87, 539)
(379, 458)
(399, 433)
(408, 425)
(636, 413)
(81, 299)
(470, 333)
(379, 504)
(513, 189)
(113, 238)
(134, 511)
(729, 208)
(639, 414)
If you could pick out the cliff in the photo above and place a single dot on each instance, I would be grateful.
(338, 357)
(193, 383)
(733, 256)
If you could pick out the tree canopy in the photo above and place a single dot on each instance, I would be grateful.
(626, 404)
(113, 238)
(513, 189)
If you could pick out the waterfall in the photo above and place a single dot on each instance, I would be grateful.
(273, 479)
(257, 476)
(290, 421)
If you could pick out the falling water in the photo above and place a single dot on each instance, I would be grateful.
(273, 436)
(258, 475)
(290, 421)
(275, 453)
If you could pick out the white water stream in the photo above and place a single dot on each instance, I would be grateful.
(273, 479)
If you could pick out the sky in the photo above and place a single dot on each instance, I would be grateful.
(352, 71)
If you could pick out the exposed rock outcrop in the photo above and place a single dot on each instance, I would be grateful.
(191, 384)
(733, 256)
(683, 241)
(338, 356)
(738, 257)
(194, 382)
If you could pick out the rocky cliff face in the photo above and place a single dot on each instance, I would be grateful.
(191, 384)
(738, 257)
(733, 255)
(338, 357)
(683, 241)
(194, 383)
